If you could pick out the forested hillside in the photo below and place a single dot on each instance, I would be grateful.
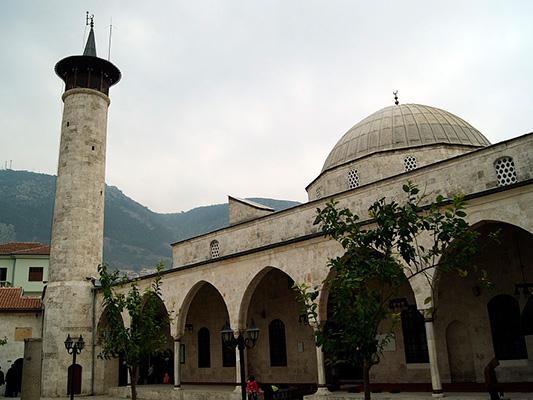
(135, 236)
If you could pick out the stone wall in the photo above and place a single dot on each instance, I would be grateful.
(16, 327)
(379, 166)
(467, 174)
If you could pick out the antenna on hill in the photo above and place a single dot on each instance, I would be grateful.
(110, 33)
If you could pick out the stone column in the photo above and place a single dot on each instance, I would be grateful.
(322, 389)
(237, 371)
(432, 352)
(177, 363)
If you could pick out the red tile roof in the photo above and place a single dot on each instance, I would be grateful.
(21, 248)
(11, 300)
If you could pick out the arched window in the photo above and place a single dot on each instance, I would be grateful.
(353, 179)
(414, 336)
(215, 249)
(507, 337)
(277, 343)
(505, 171)
(409, 163)
(204, 348)
(228, 356)
(527, 317)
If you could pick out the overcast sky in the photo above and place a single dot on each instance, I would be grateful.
(247, 98)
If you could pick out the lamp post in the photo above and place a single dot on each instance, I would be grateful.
(241, 342)
(73, 348)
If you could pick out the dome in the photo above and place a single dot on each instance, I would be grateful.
(403, 126)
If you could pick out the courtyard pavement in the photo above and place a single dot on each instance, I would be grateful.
(207, 392)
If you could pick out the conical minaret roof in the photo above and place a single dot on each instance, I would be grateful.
(88, 70)
(90, 46)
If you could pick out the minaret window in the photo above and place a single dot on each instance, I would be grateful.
(505, 170)
(409, 163)
(353, 179)
(215, 249)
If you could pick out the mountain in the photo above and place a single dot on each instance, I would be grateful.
(134, 236)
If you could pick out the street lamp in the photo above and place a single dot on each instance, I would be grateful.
(241, 342)
(73, 348)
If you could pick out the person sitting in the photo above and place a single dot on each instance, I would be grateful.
(252, 388)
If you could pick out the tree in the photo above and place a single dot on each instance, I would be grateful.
(3, 341)
(397, 243)
(144, 337)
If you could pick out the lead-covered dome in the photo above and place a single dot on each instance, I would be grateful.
(403, 126)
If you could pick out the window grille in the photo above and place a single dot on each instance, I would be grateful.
(409, 163)
(505, 170)
(318, 192)
(353, 179)
(277, 343)
(204, 348)
(215, 249)
(414, 336)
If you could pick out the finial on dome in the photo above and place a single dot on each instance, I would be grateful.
(395, 93)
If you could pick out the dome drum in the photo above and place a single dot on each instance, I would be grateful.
(392, 141)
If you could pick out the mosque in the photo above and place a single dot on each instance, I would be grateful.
(240, 277)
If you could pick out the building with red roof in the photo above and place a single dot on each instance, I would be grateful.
(24, 265)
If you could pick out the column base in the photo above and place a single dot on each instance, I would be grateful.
(177, 387)
(321, 394)
(437, 393)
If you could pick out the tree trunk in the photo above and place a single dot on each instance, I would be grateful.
(366, 379)
(133, 377)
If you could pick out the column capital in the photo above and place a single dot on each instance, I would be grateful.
(428, 314)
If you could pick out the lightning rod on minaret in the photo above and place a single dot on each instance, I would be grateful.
(110, 33)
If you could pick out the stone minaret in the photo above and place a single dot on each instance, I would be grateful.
(78, 223)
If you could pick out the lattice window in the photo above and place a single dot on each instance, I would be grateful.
(505, 170)
(318, 192)
(353, 179)
(409, 163)
(215, 249)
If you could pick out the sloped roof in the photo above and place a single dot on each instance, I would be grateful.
(21, 248)
(11, 299)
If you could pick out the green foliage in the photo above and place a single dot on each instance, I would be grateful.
(146, 334)
(397, 243)
(3, 341)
